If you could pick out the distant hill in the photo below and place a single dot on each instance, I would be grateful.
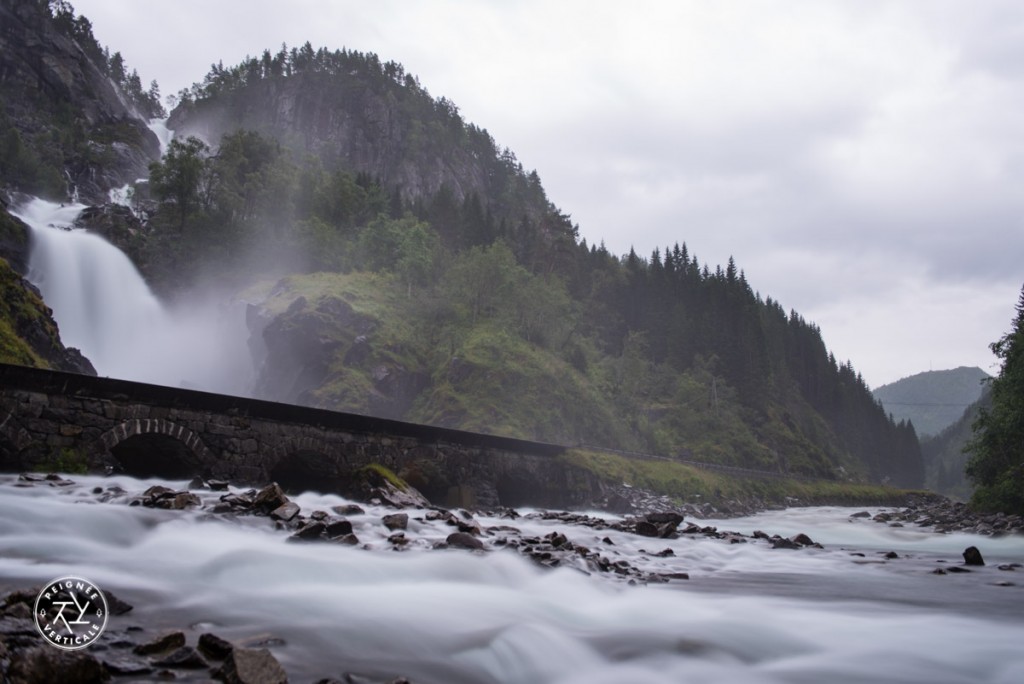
(934, 400)
(944, 453)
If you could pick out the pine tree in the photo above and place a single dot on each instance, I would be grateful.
(996, 465)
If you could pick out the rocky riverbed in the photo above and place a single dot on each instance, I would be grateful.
(632, 551)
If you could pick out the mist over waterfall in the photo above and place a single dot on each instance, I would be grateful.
(104, 308)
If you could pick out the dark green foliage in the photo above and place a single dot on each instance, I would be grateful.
(944, 454)
(180, 178)
(996, 466)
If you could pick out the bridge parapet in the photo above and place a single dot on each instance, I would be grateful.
(62, 421)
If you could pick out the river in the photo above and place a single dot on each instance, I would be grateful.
(748, 613)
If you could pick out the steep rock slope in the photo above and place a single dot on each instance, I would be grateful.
(350, 111)
(65, 126)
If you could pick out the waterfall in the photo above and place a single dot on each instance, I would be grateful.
(163, 133)
(104, 308)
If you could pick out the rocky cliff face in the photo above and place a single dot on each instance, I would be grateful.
(68, 124)
(351, 115)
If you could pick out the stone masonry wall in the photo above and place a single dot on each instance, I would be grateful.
(60, 421)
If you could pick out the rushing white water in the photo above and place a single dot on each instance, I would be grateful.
(455, 616)
(164, 134)
(105, 309)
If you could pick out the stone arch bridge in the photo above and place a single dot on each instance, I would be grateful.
(62, 421)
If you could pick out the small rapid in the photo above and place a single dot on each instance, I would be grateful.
(454, 616)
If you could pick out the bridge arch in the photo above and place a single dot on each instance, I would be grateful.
(307, 464)
(156, 448)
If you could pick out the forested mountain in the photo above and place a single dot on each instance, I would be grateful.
(932, 400)
(944, 455)
(398, 262)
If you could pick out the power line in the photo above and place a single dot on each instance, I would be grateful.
(918, 403)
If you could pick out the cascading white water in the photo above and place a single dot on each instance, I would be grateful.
(749, 613)
(164, 134)
(105, 309)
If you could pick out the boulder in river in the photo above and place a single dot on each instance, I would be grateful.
(464, 540)
(48, 664)
(972, 556)
(252, 666)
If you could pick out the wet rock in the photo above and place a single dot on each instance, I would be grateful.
(557, 540)
(269, 498)
(48, 665)
(186, 658)
(972, 556)
(396, 521)
(122, 665)
(348, 509)
(217, 485)
(251, 666)
(18, 611)
(464, 540)
(337, 528)
(347, 540)
(285, 512)
(862, 514)
(213, 646)
(309, 532)
(675, 575)
(240, 501)
(783, 543)
(664, 517)
(398, 539)
(891, 555)
(116, 606)
(803, 540)
(161, 644)
(647, 529)
(179, 501)
(469, 527)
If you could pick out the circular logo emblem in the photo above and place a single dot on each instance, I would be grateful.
(71, 612)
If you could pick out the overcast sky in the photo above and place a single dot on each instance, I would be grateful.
(862, 161)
